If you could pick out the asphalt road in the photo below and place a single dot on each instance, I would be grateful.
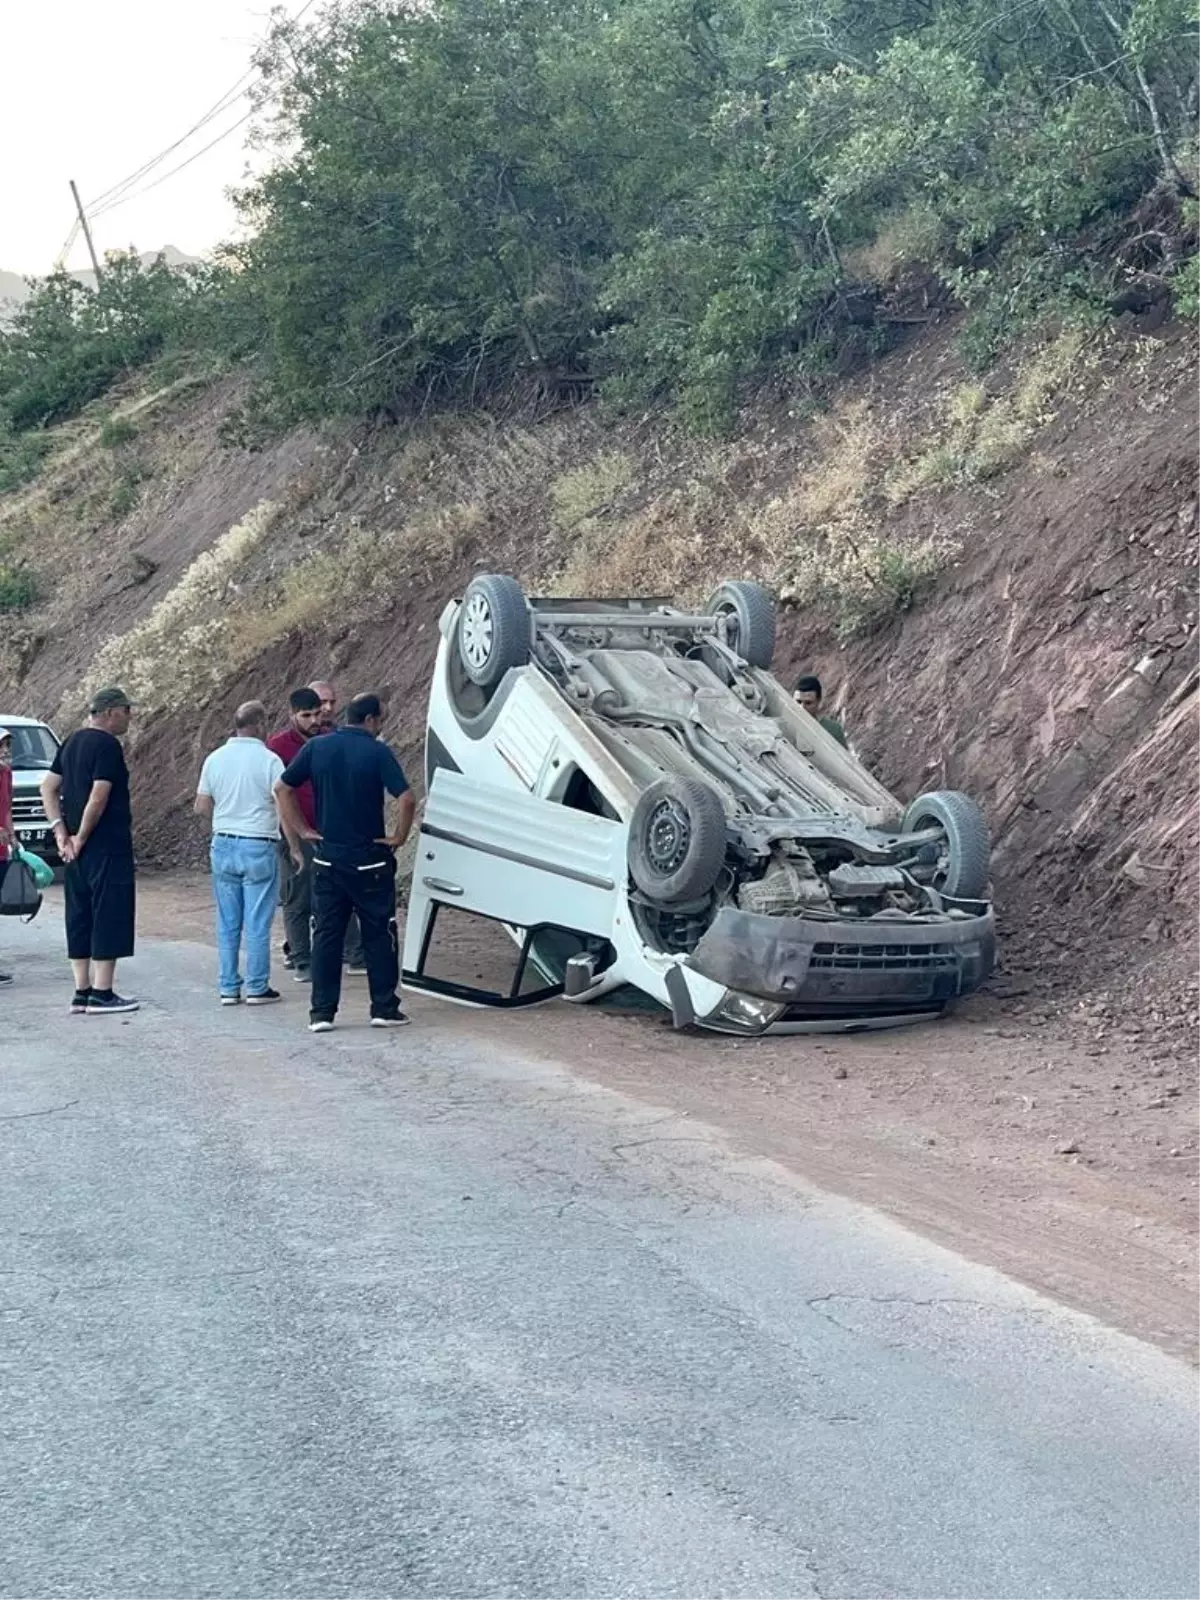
(380, 1315)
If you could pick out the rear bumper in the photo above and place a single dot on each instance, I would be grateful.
(851, 969)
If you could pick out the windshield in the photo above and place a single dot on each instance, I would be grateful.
(33, 748)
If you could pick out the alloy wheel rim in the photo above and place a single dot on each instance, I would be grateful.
(477, 632)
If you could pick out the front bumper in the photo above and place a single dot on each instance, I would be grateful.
(838, 971)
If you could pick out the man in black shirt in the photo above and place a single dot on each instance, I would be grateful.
(354, 865)
(86, 795)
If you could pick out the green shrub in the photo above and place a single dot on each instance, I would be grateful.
(127, 489)
(21, 456)
(19, 588)
(116, 431)
(1185, 288)
(68, 343)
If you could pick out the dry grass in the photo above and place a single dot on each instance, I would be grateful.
(181, 651)
(681, 540)
(437, 537)
(907, 238)
(825, 530)
(983, 435)
(578, 496)
(848, 443)
(351, 575)
(818, 540)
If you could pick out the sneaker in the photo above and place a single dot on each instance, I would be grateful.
(99, 1004)
(266, 998)
(356, 969)
(231, 999)
(301, 975)
(394, 1019)
(5, 977)
(288, 963)
(321, 1025)
(79, 1002)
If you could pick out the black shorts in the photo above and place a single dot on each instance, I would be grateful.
(100, 907)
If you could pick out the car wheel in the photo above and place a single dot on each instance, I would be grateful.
(751, 612)
(677, 840)
(493, 629)
(963, 866)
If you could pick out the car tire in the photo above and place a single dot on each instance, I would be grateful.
(677, 840)
(966, 866)
(493, 632)
(752, 610)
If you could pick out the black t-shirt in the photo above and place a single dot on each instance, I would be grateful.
(349, 770)
(88, 756)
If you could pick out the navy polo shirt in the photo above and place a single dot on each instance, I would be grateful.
(350, 770)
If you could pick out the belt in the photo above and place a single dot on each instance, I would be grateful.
(253, 838)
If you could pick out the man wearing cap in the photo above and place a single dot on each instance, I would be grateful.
(86, 795)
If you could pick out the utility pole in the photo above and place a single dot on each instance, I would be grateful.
(87, 232)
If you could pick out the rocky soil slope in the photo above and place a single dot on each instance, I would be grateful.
(1044, 520)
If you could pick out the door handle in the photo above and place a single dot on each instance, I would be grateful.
(441, 886)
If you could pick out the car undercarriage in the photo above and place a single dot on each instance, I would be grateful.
(760, 851)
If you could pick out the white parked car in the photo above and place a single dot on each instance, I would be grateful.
(622, 788)
(34, 747)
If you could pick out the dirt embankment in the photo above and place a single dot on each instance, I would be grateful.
(1050, 669)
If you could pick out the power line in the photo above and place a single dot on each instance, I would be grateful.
(60, 259)
(119, 192)
(229, 98)
(136, 194)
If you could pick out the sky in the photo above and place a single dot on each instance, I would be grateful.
(91, 91)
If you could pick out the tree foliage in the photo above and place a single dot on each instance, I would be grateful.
(69, 342)
(665, 193)
(664, 197)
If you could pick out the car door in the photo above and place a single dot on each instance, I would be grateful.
(537, 879)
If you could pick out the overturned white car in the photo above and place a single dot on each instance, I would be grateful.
(622, 788)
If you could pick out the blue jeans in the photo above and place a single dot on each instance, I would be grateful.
(246, 888)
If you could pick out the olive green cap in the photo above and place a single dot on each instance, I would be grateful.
(110, 699)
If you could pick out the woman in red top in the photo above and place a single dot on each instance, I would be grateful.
(6, 822)
(7, 840)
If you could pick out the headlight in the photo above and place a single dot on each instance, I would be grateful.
(746, 1013)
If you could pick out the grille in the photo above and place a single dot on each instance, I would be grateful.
(28, 808)
(882, 958)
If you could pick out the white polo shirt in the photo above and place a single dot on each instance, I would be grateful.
(240, 778)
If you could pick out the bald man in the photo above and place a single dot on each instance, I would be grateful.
(326, 693)
(236, 795)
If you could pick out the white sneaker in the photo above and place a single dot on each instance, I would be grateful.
(321, 1025)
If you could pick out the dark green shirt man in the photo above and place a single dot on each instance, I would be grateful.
(809, 694)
